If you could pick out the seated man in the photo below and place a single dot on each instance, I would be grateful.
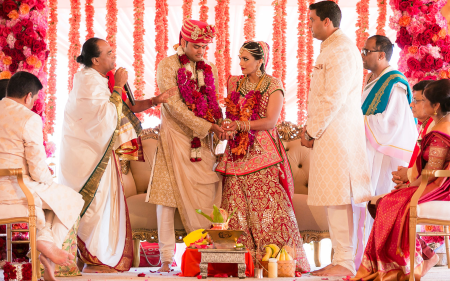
(21, 146)
(3, 84)
(408, 174)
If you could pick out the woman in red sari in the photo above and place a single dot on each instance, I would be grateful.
(258, 180)
(387, 255)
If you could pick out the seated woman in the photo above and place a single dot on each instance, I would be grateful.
(258, 179)
(387, 255)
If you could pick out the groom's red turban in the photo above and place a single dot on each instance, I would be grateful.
(197, 32)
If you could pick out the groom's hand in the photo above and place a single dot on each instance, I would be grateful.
(217, 130)
(304, 141)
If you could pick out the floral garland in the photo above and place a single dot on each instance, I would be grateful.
(111, 24)
(23, 32)
(362, 24)
(74, 39)
(50, 108)
(248, 111)
(17, 271)
(220, 47)
(381, 19)
(227, 54)
(204, 17)
(161, 39)
(187, 9)
(89, 10)
(138, 48)
(277, 40)
(422, 36)
(283, 55)
(199, 96)
(302, 91)
(249, 25)
(309, 54)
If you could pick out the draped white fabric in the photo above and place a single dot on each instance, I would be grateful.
(264, 19)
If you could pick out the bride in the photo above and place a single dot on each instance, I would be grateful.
(258, 179)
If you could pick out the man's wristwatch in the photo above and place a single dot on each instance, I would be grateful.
(308, 137)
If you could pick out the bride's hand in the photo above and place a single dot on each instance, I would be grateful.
(230, 127)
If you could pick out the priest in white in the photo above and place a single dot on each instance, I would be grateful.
(21, 146)
(97, 124)
(390, 127)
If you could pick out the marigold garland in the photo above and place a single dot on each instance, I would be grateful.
(74, 39)
(161, 38)
(138, 48)
(204, 17)
(89, 10)
(362, 24)
(50, 109)
(220, 46)
(283, 55)
(302, 91)
(111, 24)
(309, 53)
(227, 54)
(249, 15)
(381, 19)
(187, 9)
(277, 40)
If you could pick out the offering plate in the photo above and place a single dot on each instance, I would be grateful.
(224, 239)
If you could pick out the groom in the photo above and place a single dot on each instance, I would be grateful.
(335, 131)
(179, 180)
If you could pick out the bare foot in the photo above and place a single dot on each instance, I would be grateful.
(49, 268)
(428, 264)
(52, 252)
(165, 267)
(89, 268)
(336, 270)
(322, 269)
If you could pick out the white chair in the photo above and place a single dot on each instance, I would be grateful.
(430, 213)
(30, 219)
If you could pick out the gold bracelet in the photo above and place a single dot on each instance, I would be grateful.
(118, 87)
(249, 127)
(238, 124)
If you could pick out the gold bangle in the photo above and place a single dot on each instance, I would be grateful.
(118, 87)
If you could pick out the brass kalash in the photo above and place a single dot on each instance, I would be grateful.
(225, 249)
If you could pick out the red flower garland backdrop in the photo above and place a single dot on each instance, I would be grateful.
(422, 37)
(220, 46)
(309, 52)
(302, 90)
(74, 39)
(53, 48)
(249, 15)
(277, 40)
(362, 24)
(204, 17)
(187, 9)
(227, 54)
(161, 42)
(381, 19)
(111, 24)
(89, 10)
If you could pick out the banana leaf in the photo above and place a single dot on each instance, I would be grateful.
(198, 211)
(231, 215)
(218, 218)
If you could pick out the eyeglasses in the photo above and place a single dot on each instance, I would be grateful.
(365, 52)
(416, 101)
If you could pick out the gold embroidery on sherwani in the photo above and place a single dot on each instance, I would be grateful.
(90, 187)
(176, 119)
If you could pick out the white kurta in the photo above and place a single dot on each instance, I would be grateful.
(89, 122)
(21, 146)
(390, 141)
(338, 160)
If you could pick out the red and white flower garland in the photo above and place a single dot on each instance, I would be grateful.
(204, 17)
(362, 24)
(227, 54)
(249, 15)
(302, 91)
(309, 54)
(53, 48)
(111, 24)
(198, 94)
(381, 19)
(89, 10)
(74, 39)
(220, 46)
(187, 9)
(138, 48)
(279, 45)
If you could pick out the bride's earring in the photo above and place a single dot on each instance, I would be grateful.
(259, 72)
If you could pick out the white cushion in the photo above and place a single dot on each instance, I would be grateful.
(8, 211)
(438, 210)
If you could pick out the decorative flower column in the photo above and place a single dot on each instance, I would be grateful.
(89, 10)
(249, 15)
(302, 90)
(74, 39)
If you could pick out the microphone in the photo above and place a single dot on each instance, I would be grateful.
(129, 94)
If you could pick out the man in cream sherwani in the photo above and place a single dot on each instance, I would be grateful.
(334, 130)
(391, 131)
(21, 146)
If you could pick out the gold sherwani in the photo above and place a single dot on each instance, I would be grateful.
(176, 181)
(21, 146)
(339, 165)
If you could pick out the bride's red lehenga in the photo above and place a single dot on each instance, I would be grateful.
(261, 186)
